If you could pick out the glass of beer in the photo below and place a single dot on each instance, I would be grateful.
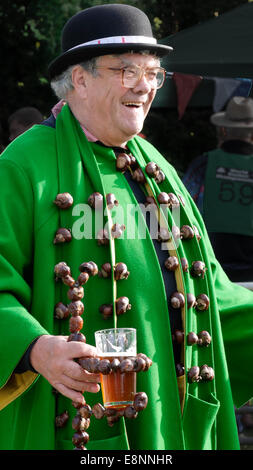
(118, 388)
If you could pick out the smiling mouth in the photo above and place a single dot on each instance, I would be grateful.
(133, 104)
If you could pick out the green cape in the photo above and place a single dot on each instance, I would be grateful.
(34, 169)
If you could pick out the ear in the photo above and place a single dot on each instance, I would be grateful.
(79, 81)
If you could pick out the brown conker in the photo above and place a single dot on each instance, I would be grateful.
(63, 200)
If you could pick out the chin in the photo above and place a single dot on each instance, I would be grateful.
(135, 129)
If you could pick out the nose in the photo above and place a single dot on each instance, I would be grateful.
(142, 86)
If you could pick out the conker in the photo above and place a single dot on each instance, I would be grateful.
(91, 364)
(63, 235)
(111, 420)
(83, 278)
(130, 412)
(148, 361)
(139, 364)
(61, 311)
(173, 201)
(138, 175)
(90, 268)
(68, 280)
(63, 200)
(198, 269)
(98, 411)
(140, 401)
(206, 373)
(115, 363)
(186, 232)
(179, 336)
(133, 163)
(177, 300)
(111, 201)
(202, 302)
(62, 269)
(117, 230)
(75, 293)
(179, 369)
(123, 162)
(79, 423)
(79, 438)
(150, 201)
(61, 420)
(205, 338)
(126, 365)
(163, 198)
(85, 411)
(176, 232)
(105, 271)
(159, 176)
(192, 338)
(120, 271)
(191, 301)
(151, 169)
(184, 264)
(193, 374)
(95, 200)
(77, 337)
(122, 305)
(171, 263)
(75, 324)
(104, 367)
(164, 235)
(106, 310)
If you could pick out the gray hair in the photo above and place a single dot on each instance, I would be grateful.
(62, 84)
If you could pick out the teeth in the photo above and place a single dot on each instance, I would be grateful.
(132, 103)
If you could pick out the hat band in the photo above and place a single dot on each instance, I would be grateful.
(118, 40)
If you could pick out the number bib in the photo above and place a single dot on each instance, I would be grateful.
(228, 196)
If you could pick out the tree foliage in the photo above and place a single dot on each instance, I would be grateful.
(30, 38)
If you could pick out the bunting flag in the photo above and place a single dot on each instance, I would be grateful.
(185, 85)
(244, 88)
(224, 89)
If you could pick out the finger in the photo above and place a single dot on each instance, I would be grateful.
(75, 371)
(78, 349)
(69, 393)
(80, 386)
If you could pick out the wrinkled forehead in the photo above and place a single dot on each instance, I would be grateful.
(140, 58)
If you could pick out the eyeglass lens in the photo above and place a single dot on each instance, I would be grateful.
(131, 76)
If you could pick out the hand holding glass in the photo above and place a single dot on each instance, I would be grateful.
(118, 388)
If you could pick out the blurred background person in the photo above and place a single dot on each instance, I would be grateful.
(22, 119)
(221, 184)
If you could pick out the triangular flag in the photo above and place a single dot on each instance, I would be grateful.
(224, 89)
(186, 85)
(244, 88)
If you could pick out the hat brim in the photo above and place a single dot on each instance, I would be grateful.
(220, 119)
(80, 54)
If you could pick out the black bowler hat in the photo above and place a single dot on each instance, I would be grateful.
(105, 29)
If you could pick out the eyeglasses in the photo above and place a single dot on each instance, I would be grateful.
(132, 74)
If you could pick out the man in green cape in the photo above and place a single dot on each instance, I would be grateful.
(194, 324)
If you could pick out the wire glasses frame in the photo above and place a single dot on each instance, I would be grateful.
(132, 74)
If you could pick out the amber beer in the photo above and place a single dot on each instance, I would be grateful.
(118, 389)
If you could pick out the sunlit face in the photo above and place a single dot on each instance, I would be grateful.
(114, 113)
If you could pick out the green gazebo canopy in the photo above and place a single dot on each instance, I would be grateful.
(221, 47)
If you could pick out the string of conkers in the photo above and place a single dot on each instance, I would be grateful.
(201, 302)
(75, 309)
